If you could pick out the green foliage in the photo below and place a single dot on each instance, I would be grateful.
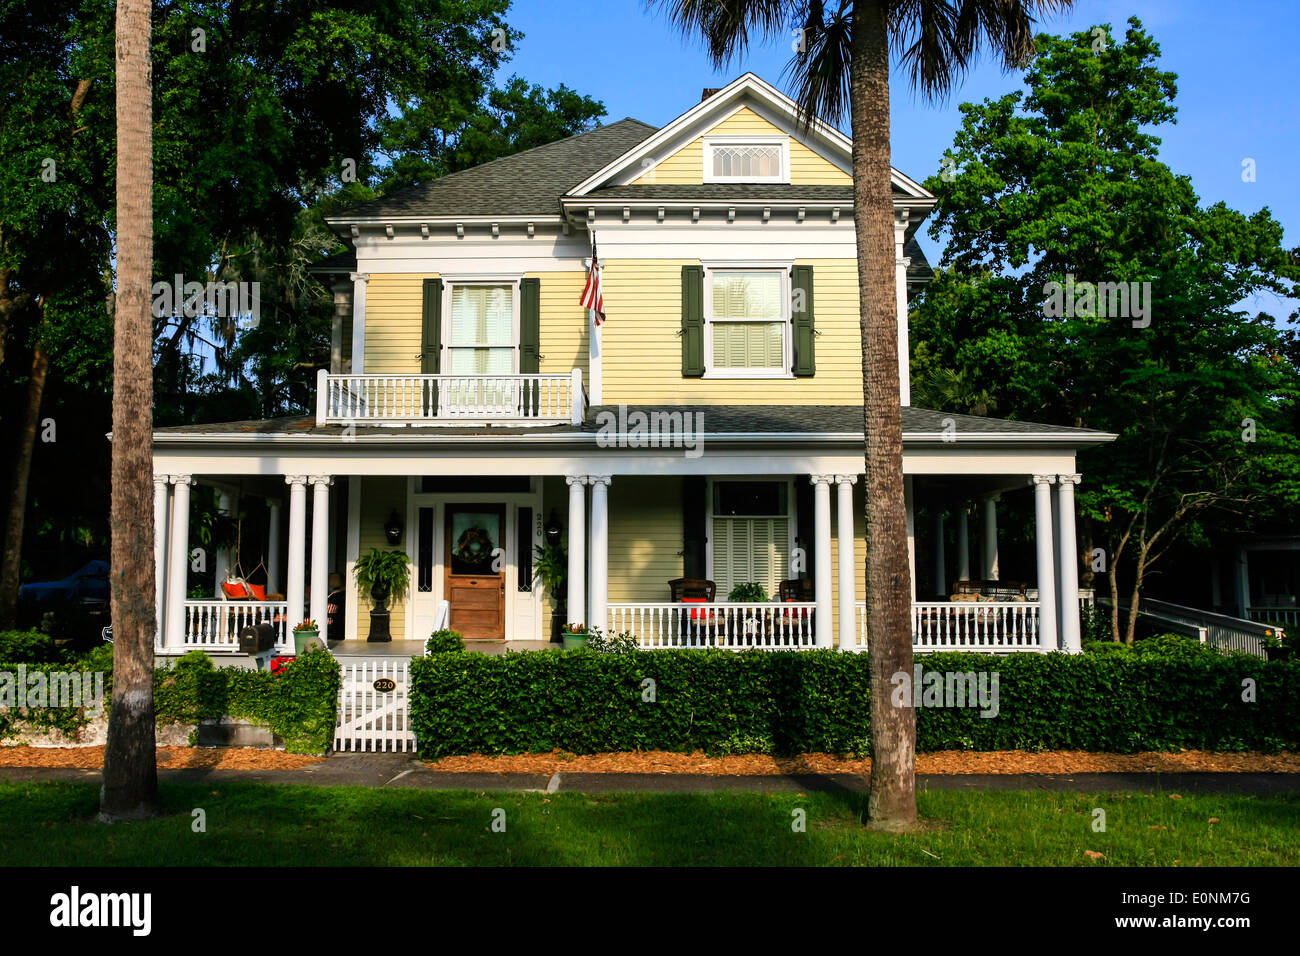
(551, 566)
(818, 701)
(445, 641)
(1064, 181)
(389, 569)
(620, 643)
(27, 647)
(749, 593)
(298, 703)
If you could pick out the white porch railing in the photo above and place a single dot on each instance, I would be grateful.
(449, 399)
(1287, 616)
(988, 626)
(784, 626)
(215, 625)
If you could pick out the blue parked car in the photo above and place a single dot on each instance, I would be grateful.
(87, 585)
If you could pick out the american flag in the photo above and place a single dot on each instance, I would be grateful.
(592, 297)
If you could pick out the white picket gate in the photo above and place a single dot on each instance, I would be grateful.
(370, 718)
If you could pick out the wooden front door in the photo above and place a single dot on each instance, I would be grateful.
(476, 570)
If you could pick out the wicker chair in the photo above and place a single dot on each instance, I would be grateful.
(796, 589)
(692, 588)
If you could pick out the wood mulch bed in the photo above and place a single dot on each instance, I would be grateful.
(169, 758)
(942, 762)
(947, 761)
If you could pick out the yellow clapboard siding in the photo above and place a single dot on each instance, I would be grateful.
(379, 498)
(807, 168)
(394, 307)
(642, 358)
(645, 537)
(563, 323)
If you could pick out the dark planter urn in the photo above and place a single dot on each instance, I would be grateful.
(379, 632)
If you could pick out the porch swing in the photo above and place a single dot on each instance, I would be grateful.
(236, 587)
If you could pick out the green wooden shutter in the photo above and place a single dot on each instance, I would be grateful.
(530, 326)
(801, 314)
(530, 336)
(692, 321)
(431, 341)
(431, 327)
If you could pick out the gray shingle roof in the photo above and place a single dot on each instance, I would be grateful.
(523, 184)
(756, 420)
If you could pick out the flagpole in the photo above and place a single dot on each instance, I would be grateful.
(595, 343)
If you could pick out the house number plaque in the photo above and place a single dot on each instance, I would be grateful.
(385, 684)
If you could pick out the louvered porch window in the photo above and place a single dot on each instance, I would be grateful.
(751, 534)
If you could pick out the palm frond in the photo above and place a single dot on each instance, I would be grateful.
(726, 26)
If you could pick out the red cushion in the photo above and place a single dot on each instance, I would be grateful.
(697, 615)
(235, 590)
(259, 591)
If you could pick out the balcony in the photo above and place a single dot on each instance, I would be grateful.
(450, 399)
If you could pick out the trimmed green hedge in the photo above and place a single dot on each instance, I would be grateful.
(817, 701)
(298, 703)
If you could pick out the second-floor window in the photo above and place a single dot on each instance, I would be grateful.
(741, 159)
(746, 323)
(481, 336)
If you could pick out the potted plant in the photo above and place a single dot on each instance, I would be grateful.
(750, 593)
(304, 634)
(551, 567)
(385, 574)
(575, 636)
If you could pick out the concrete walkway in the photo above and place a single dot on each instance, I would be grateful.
(401, 770)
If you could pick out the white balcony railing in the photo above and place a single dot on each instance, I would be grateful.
(449, 399)
(1282, 615)
(215, 625)
(786, 626)
(966, 626)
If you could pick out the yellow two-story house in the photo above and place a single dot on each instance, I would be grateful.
(693, 460)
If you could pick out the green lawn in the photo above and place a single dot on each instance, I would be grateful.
(254, 824)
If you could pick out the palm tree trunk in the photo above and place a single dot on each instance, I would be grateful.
(892, 801)
(11, 563)
(130, 771)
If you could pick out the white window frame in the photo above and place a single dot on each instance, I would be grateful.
(787, 330)
(782, 176)
(791, 517)
(453, 282)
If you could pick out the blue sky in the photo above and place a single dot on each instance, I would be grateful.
(1235, 64)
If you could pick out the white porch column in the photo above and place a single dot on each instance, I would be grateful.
(577, 593)
(1046, 566)
(1068, 558)
(178, 565)
(273, 556)
(848, 564)
(991, 536)
(940, 562)
(822, 542)
(1243, 582)
(320, 511)
(901, 263)
(598, 591)
(296, 585)
(161, 491)
(221, 557)
(909, 502)
(359, 280)
(963, 543)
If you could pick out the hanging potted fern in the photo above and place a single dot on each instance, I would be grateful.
(385, 574)
(551, 568)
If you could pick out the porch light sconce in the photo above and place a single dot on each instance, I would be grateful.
(553, 529)
(393, 529)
